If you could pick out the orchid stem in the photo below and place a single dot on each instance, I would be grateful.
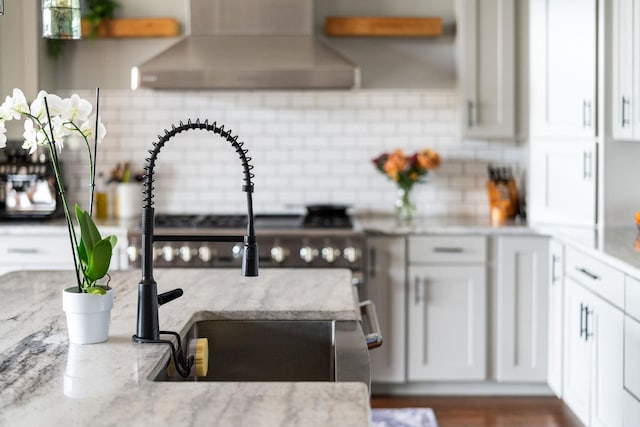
(95, 153)
(65, 206)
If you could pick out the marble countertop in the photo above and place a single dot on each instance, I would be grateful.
(46, 380)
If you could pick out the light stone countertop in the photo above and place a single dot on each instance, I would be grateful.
(44, 380)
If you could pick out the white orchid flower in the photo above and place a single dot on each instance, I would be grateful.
(38, 110)
(20, 105)
(31, 136)
(75, 108)
(3, 137)
(88, 129)
(5, 109)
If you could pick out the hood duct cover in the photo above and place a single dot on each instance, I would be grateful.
(248, 44)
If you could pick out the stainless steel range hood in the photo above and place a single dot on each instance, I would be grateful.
(248, 44)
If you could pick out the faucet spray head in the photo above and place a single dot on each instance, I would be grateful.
(250, 257)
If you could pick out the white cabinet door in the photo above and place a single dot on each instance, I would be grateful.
(447, 323)
(563, 68)
(604, 328)
(623, 97)
(577, 351)
(563, 182)
(486, 38)
(386, 287)
(521, 308)
(555, 323)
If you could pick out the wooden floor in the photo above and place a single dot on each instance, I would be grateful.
(459, 411)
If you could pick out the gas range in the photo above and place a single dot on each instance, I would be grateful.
(285, 240)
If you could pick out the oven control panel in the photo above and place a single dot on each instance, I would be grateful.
(339, 249)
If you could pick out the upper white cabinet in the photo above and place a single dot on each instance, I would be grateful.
(625, 69)
(447, 308)
(486, 59)
(563, 54)
(386, 286)
(521, 308)
(563, 182)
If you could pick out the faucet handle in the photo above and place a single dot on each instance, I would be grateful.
(169, 296)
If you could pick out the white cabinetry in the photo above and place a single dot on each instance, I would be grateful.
(555, 328)
(593, 380)
(386, 287)
(563, 68)
(31, 248)
(486, 38)
(563, 182)
(521, 308)
(631, 394)
(447, 308)
(626, 83)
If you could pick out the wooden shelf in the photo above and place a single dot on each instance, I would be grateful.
(134, 27)
(370, 26)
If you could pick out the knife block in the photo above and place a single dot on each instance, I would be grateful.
(503, 200)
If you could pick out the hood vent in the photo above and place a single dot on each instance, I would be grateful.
(248, 44)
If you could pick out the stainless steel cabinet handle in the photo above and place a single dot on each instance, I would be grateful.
(448, 250)
(586, 113)
(588, 273)
(625, 103)
(374, 337)
(582, 331)
(587, 312)
(22, 250)
(372, 262)
(554, 278)
(416, 290)
(587, 165)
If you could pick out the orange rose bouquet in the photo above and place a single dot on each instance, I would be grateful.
(406, 171)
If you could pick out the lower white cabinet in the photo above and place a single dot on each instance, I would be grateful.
(555, 286)
(447, 308)
(448, 327)
(50, 250)
(593, 380)
(386, 287)
(521, 308)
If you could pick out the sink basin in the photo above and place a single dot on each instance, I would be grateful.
(279, 350)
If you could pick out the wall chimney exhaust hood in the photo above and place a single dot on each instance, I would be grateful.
(248, 44)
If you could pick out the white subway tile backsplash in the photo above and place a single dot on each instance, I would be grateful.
(307, 147)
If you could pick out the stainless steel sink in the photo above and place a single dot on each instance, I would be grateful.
(280, 350)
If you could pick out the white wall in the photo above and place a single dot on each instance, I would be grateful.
(307, 147)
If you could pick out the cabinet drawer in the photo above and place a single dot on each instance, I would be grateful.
(632, 355)
(35, 251)
(632, 297)
(447, 249)
(599, 277)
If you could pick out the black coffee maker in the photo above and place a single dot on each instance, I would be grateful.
(28, 188)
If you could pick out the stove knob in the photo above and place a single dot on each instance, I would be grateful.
(307, 253)
(330, 254)
(156, 253)
(279, 254)
(205, 253)
(185, 253)
(236, 251)
(167, 253)
(350, 254)
(132, 253)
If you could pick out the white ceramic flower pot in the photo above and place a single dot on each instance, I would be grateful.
(88, 315)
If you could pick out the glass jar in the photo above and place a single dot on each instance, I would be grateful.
(61, 19)
(405, 207)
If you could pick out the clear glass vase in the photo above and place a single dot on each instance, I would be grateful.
(405, 207)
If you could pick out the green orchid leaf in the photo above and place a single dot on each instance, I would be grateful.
(96, 290)
(89, 233)
(113, 239)
(99, 260)
(82, 253)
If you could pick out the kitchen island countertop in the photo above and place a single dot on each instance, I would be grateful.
(44, 380)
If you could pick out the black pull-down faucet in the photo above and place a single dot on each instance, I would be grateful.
(148, 330)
